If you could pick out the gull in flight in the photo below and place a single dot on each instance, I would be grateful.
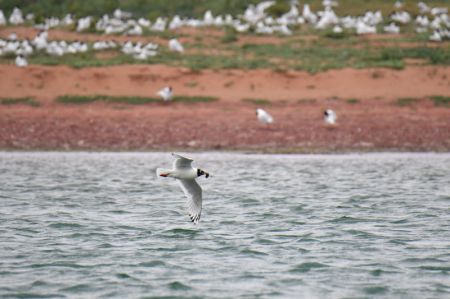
(263, 116)
(330, 117)
(186, 175)
(165, 93)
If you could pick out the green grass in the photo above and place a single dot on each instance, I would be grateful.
(307, 101)
(201, 62)
(20, 101)
(324, 55)
(441, 101)
(230, 35)
(312, 56)
(82, 60)
(257, 101)
(353, 101)
(406, 101)
(194, 99)
(74, 99)
(191, 84)
(433, 55)
(344, 35)
(308, 49)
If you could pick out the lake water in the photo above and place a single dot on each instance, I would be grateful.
(101, 225)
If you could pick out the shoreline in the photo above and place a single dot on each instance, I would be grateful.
(298, 128)
(226, 152)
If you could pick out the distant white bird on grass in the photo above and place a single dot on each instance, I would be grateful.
(263, 116)
(12, 36)
(175, 46)
(398, 4)
(392, 28)
(16, 17)
(2, 18)
(185, 174)
(330, 117)
(21, 61)
(166, 93)
(337, 29)
(436, 36)
(423, 8)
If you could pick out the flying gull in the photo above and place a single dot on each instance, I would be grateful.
(185, 174)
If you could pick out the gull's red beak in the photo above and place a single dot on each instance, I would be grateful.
(164, 175)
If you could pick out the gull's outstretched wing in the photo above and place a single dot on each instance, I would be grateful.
(181, 162)
(194, 194)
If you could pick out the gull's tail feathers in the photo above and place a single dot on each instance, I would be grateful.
(162, 172)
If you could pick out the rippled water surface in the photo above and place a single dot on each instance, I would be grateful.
(89, 225)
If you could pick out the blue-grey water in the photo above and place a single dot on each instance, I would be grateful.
(101, 225)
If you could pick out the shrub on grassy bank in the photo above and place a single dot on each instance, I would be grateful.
(17, 101)
(194, 99)
(257, 101)
(406, 101)
(74, 99)
(443, 101)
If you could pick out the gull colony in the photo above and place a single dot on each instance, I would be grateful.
(432, 20)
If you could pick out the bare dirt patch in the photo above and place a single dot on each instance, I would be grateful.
(145, 80)
(106, 55)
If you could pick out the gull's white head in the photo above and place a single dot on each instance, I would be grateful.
(201, 172)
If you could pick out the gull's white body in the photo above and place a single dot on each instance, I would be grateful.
(330, 117)
(392, 28)
(263, 116)
(21, 61)
(175, 46)
(165, 93)
(185, 174)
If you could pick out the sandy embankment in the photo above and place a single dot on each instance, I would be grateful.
(374, 122)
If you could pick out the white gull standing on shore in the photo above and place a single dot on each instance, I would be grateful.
(166, 93)
(21, 61)
(263, 116)
(330, 117)
(175, 46)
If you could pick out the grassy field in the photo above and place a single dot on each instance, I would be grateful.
(19, 101)
(313, 56)
(307, 50)
(72, 99)
(438, 101)
(190, 8)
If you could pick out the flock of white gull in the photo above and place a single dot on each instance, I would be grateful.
(434, 20)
